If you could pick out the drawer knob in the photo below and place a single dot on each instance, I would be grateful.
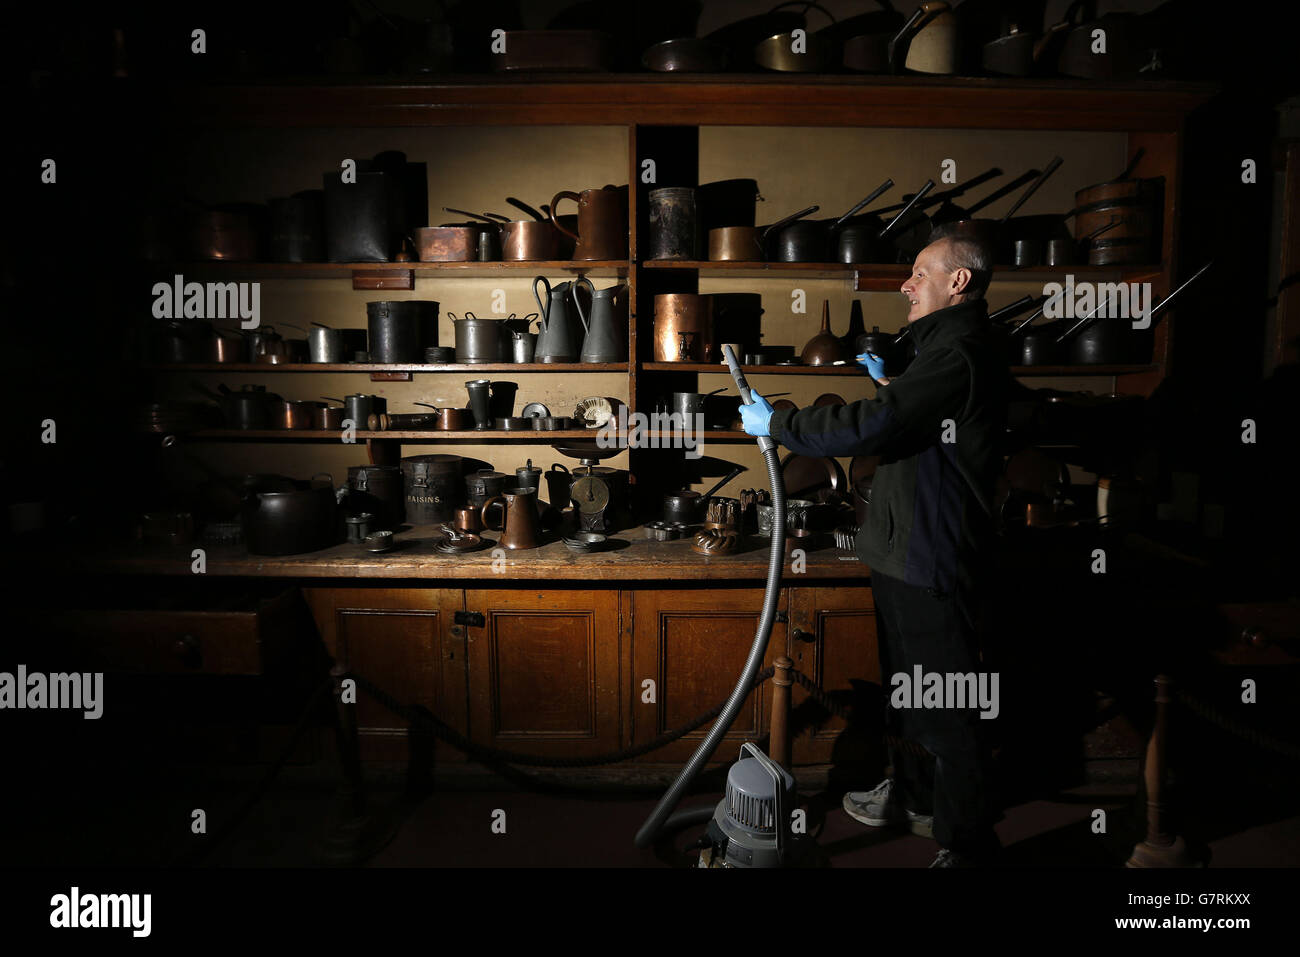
(186, 648)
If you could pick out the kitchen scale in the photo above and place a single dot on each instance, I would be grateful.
(599, 492)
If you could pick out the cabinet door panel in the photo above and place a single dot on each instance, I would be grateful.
(844, 649)
(543, 671)
(693, 644)
(400, 639)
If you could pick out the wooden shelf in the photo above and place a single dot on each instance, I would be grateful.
(766, 99)
(323, 435)
(231, 269)
(1081, 370)
(367, 367)
(844, 370)
(887, 277)
(853, 370)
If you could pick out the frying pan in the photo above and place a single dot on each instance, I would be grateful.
(685, 55)
(740, 38)
(810, 477)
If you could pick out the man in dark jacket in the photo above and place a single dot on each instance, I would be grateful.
(937, 429)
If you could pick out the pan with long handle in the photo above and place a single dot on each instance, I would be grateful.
(996, 234)
(1114, 339)
(812, 241)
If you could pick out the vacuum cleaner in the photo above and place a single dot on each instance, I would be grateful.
(751, 825)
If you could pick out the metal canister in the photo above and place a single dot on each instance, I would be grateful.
(325, 345)
(674, 224)
(298, 227)
(433, 488)
(399, 332)
(477, 340)
(483, 485)
(377, 489)
(359, 408)
(683, 328)
(529, 476)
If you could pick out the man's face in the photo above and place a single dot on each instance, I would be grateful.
(931, 287)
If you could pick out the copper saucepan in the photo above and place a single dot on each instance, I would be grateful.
(748, 243)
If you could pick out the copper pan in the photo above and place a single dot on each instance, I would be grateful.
(747, 243)
(446, 244)
(450, 420)
(528, 240)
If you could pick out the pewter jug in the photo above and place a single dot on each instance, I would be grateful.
(606, 339)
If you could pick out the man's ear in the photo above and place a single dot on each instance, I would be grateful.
(961, 280)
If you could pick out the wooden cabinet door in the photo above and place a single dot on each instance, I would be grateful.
(693, 645)
(833, 642)
(401, 640)
(544, 670)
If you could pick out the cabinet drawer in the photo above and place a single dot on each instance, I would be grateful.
(170, 641)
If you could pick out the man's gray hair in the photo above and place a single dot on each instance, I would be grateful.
(962, 252)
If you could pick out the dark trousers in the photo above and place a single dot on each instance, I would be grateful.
(919, 626)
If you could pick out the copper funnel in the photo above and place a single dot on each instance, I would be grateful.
(825, 348)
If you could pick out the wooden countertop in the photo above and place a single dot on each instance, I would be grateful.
(636, 559)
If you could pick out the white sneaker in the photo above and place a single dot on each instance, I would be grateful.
(880, 807)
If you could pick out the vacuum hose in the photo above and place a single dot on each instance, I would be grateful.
(775, 563)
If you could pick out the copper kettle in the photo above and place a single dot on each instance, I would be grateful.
(520, 527)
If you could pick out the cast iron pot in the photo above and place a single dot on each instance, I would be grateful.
(399, 332)
(377, 489)
(284, 517)
(252, 407)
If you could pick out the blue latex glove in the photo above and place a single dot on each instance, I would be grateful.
(756, 416)
(874, 365)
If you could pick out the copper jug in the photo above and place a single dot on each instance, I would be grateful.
(602, 222)
(520, 527)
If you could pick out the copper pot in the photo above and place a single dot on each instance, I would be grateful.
(736, 244)
(529, 240)
(294, 414)
(328, 418)
(683, 328)
(446, 244)
(453, 420)
(229, 347)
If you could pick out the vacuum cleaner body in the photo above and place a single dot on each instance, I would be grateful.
(752, 826)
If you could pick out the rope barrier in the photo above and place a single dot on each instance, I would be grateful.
(453, 737)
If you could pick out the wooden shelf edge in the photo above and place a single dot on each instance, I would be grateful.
(467, 270)
(368, 367)
(405, 436)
